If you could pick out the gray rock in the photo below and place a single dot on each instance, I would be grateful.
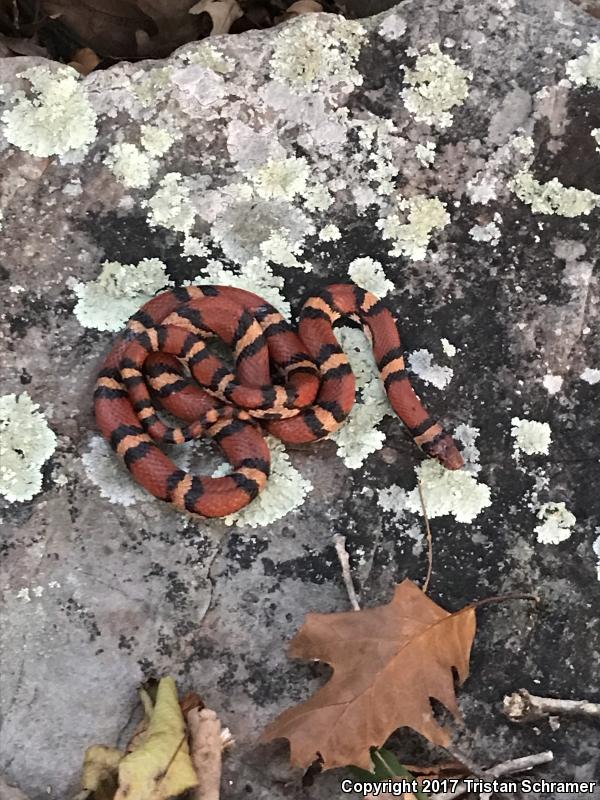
(100, 595)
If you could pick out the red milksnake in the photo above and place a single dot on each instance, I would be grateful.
(312, 398)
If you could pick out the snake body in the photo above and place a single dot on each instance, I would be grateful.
(313, 395)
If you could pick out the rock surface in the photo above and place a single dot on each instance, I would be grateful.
(104, 586)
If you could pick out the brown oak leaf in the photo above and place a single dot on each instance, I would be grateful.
(129, 29)
(387, 663)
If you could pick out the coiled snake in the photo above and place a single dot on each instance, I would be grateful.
(312, 398)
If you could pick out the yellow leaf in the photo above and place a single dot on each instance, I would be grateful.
(160, 767)
(99, 776)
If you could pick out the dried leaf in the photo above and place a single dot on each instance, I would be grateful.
(387, 663)
(207, 748)
(19, 46)
(189, 701)
(304, 7)
(127, 29)
(160, 767)
(106, 26)
(142, 726)
(84, 60)
(100, 770)
(223, 13)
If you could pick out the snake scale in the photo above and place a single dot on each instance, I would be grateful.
(162, 358)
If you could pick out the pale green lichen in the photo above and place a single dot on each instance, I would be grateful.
(393, 27)
(26, 442)
(552, 197)
(425, 153)
(436, 85)
(596, 549)
(421, 363)
(531, 437)
(368, 274)
(152, 85)
(282, 178)
(455, 492)
(410, 225)
(489, 232)
(523, 144)
(279, 249)
(311, 55)
(448, 348)
(194, 247)
(552, 383)
(557, 523)
(590, 375)
(359, 436)
(255, 276)
(330, 233)
(285, 491)
(467, 435)
(596, 137)
(586, 68)
(156, 141)
(317, 198)
(170, 205)
(107, 302)
(376, 157)
(445, 492)
(208, 56)
(243, 227)
(131, 166)
(57, 120)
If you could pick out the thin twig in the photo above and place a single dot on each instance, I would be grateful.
(208, 741)
(344, 559)
(505, 768)
(425, 586)
(524, 707)
(464, 759)
(474, 769)
(501, 598)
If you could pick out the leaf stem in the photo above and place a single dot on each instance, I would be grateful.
(425, 586)
(501, 598)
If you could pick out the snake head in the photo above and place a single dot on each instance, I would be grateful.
(444, 449)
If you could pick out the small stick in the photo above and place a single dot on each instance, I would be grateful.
(344, 559)
(206, 748)
(425, 586)
(524, 707)
(505, 768)
(465, 760)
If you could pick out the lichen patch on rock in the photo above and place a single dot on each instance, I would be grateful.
(56, 120)
(436, 85)
(531, 437)
(107, 302)
(26, 443)
(556, 525)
